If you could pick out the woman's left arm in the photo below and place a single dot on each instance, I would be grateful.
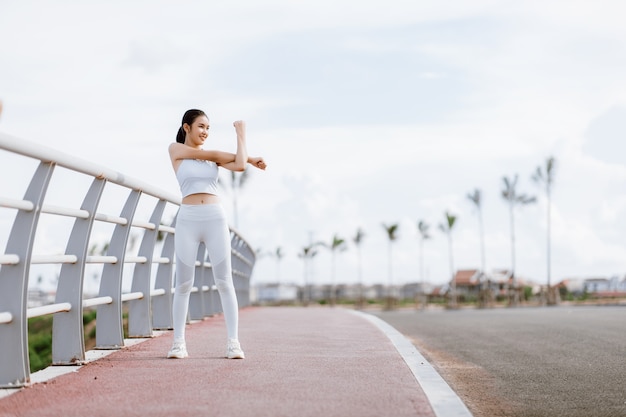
(242, 152)
(241, 157)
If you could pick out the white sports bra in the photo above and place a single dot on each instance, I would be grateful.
(196, 176)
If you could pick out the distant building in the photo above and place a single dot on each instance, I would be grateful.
(575, 286)
(499, 281)
(274, 293)
(468, 282)
(412, 290)
(438, 293)
(592, 285)
(605, 287)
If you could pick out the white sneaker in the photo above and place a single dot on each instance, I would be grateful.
(234, 350)
(178, 351)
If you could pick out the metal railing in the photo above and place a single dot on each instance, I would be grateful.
(149, 300)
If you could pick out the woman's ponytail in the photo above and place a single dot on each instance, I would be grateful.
(180, 136)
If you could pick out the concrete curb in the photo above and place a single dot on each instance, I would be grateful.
(444, 401)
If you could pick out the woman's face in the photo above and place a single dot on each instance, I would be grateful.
(197, 132)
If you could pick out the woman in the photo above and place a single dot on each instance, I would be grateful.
(201, 219)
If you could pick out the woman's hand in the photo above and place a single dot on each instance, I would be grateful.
(257, 162)
(240, 128)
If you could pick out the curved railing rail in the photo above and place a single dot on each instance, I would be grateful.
(150, 297)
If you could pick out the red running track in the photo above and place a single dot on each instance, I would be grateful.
(299, 362)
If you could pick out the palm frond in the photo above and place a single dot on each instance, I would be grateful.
(451, 220)
(337, 243)
(449, 223)
(475, 197)
(358, 238)
(391, 231)
(422, 228)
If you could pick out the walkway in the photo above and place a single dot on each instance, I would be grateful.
(299, 362)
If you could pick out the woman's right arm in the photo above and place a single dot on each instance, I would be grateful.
(179, 151)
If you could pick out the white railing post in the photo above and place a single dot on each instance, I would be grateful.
(139, 315)
(68, 341)
(109, 330)
(14, 361)
(162, 306)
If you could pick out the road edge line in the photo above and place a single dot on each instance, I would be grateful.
(444, 401)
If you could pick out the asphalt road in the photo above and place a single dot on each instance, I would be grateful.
(550, 361)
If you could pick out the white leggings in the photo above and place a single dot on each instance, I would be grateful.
(203, 223)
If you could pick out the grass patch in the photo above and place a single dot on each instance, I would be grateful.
(39, 342)
(40, 339)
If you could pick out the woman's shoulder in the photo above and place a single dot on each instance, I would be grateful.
(181, 151)
(174, 147)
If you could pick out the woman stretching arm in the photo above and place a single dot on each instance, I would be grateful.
(201, 218)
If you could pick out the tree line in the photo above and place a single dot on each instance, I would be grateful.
(543, 176)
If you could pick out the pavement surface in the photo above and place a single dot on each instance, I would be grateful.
(525, 362)
(299, 362)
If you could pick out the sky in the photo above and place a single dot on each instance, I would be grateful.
(367, 113)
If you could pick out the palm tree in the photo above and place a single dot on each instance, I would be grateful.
(545, 177)
(358, 239)
(447, 229)
(236, 181)
(422, 228)
(279, 254)
(307, 254)
(337, 244)
(509, 193)
(476, 198)
(391, 234)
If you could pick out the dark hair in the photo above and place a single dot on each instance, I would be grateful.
(189, 117)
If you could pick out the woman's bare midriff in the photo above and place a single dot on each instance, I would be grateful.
(201, 199)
